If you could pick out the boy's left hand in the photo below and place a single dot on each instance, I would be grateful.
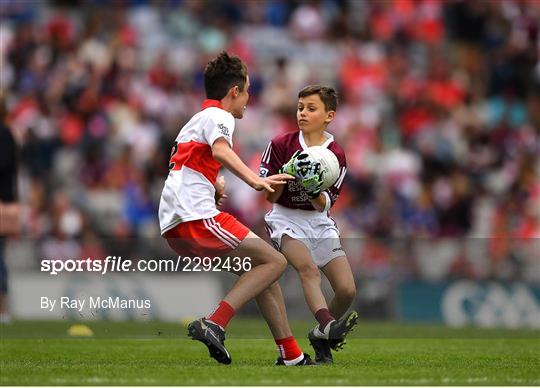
(312, 186)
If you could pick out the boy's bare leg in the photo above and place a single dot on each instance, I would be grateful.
(272, 307)
(299, 257)
(267, 266)
(339, 274)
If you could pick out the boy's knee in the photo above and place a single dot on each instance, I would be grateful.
(347, 292)
(309, 271)
(279, 261)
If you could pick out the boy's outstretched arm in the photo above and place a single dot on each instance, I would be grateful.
(223, 153)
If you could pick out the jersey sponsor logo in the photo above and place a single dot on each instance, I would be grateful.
(224, 130)
(303, 197)
(337, 249)
(263, 172)
(294, 186)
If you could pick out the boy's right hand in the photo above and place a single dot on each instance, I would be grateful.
(289, 167)
(266, 183)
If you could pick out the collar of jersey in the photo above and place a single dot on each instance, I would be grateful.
(329, 139)
(208, 103)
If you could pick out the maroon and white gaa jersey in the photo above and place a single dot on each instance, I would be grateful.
(280, 150)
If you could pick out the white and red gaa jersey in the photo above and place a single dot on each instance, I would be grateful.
(189, 190)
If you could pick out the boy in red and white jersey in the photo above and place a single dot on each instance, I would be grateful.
(192, 224)
(300, 225)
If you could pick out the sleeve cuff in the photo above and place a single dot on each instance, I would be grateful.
(328, 202)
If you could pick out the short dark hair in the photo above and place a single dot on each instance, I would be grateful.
(223, 73)
(327, 94)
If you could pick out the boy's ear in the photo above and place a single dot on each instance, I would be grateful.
(330, 116)
(235, 91)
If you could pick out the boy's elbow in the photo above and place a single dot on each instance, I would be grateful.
(217, 154)
(317, 206)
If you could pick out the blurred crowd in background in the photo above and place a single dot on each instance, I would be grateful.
(439, 116)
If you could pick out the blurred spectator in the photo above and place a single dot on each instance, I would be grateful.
(9, 208)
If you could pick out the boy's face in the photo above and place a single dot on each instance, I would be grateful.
(240, 101)
(311, 114)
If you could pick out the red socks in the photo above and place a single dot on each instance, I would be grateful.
(288, 348)
(324, 317)
(222, 314)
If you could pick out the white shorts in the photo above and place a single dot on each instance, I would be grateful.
(316, 230)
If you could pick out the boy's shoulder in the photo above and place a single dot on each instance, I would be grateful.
(216, 112)
(334, 146)
(337, 150)
(290, 142)
(286, 138)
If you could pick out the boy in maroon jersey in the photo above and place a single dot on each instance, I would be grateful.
(299, 223)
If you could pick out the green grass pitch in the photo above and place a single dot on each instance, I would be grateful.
(136, 353)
